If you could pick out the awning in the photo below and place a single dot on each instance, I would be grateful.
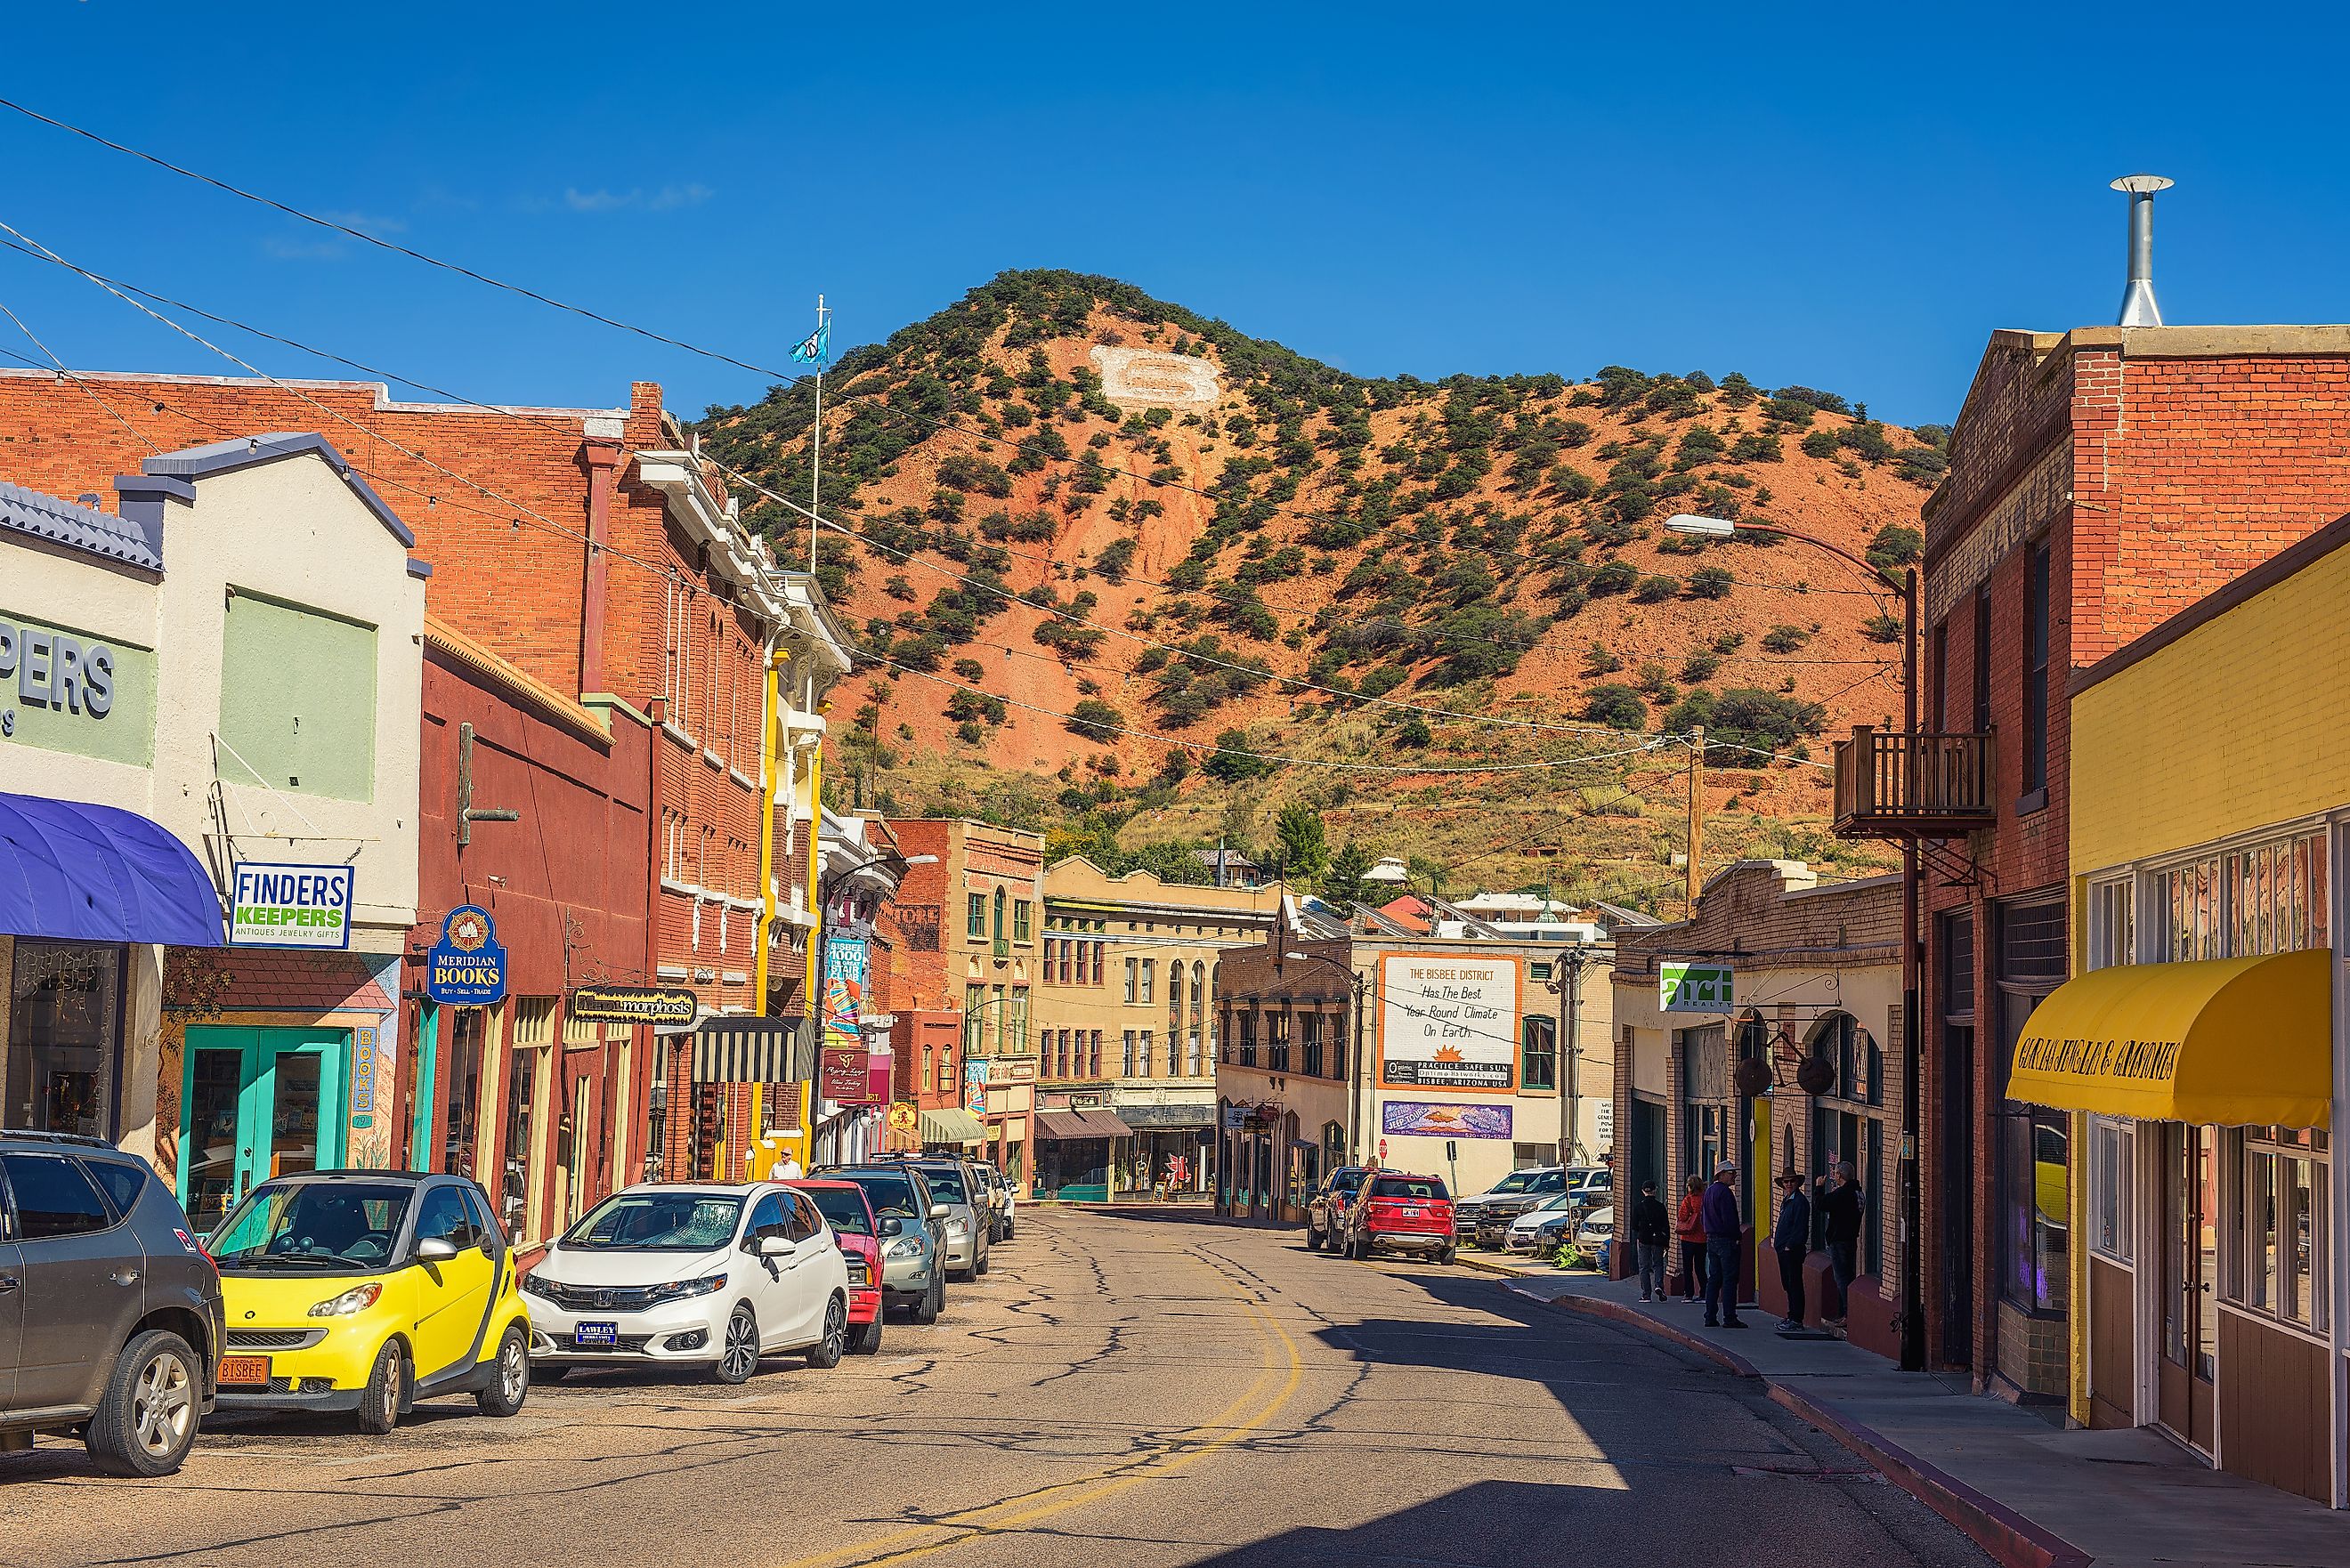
(1062, 1125)
(741, 1048)
(97, 874)
(2232, 1042)
(952, 1125)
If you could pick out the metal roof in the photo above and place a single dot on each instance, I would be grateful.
(79, 527)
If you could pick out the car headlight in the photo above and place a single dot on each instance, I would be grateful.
(359, 1298)
(530, 1286)
(685, 1290)
(904, 1247)
(958, 1227)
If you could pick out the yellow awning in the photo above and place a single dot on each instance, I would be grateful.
(2231, 1042)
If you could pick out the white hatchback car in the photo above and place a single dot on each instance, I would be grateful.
(694, 1274)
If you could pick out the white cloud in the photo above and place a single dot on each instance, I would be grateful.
(669, 198)
(286, 247)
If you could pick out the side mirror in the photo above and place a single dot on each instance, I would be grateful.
(892, 1226)
(771, 1246)
(938, 1210)
(435, 1250)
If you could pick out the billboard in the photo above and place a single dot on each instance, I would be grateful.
(1448, 1020)
(1422, 1119)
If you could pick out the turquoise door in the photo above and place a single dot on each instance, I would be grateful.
(253, 1104)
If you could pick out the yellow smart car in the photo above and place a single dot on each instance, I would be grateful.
(366, 1291)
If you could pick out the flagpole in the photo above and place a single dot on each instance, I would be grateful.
(816, 449)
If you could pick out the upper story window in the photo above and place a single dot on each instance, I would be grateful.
(976, 916)
(2258, 898)
(999, 902)
(2035, 669)
(1021, 918)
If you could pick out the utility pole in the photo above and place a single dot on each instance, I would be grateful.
(1696, 815)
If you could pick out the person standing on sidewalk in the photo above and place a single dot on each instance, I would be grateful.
(1725, 1230)
(1652, 1238)
(1689, 1226)
(1842, 1205)
(1791, 1238)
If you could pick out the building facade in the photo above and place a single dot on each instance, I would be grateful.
(1126, 1020)
(2100, 481)
(1816, 977)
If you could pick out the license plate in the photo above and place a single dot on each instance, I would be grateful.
(1411, 1213)
(245, 1369)
(603, 1333)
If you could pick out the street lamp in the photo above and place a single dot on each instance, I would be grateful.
(1913, 1310)
(824, 887)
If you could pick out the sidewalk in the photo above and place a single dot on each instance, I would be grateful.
(2029, 1492)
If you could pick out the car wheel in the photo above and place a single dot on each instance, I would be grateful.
(1312, 1240)
(824, 1354)
(511, 1383)
(1445, 1256)
(933, 1301)
(146, 1420)
(738, 1350)
(982, 1265)
(387, 1391)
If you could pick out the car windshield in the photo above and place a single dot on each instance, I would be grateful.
(1423, 1187)
(313, 1225)
(843, 1209)
(1515, 1182)
(1552, 1205)
(1594, 1181)
(946, 1183)
(1345, 1183)
(658, 1223)
(889, 1192)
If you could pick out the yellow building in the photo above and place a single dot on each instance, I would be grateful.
(1126, 1025)
(2200, 1040)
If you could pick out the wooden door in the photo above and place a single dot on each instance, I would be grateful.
(2188, 1369)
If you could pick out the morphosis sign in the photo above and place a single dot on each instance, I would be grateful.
(289, 905)
(466, 968)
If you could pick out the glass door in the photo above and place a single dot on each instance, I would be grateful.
(2188, 1368)
(255, 1103)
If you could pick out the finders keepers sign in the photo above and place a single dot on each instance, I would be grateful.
(1448, 1023)
(290, 906)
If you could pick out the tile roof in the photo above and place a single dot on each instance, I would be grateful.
(79, 527)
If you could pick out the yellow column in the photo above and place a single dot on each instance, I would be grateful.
(815, 939)
(771, 764)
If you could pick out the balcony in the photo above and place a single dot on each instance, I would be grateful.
(1894, 786)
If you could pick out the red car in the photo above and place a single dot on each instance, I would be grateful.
(1403, 1213)
(845, 1208)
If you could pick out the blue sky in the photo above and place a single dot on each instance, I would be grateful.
(1847, 198)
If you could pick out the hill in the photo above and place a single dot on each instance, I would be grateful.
(1109, 555)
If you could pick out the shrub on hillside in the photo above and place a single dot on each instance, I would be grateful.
(1785, 638)
(1657, 590)
(964, 471)
(1618, 706)
(1614, 577)
(1232, 762)
(1882, 628)
(1756, 448)
(1710, 583)
(1820, 443)
(1094, 719)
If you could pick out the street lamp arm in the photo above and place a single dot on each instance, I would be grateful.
(1899, 588)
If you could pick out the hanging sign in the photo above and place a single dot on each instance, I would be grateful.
(904, 1117)
(846, 972)
(975, 1085)
(466, 968)
(1694, 987)
(289, 905)
(363, 1066)
(667, 1004)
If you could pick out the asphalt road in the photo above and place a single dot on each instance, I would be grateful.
(1119, 1391)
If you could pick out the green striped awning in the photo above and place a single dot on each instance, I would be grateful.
(951, 1126)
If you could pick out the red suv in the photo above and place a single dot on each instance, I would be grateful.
(1403, 1213)
(844, 1207)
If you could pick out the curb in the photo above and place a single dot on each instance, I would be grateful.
(2012, 1539)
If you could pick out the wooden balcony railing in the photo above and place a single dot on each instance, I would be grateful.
(1893, 785)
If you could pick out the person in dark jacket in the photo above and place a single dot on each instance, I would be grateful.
(1652, 1237)
(1842, 1205)
(1791, 1239)
(1725, 1230)
(1689, 1226)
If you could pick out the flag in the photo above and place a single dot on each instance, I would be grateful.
(815, 346)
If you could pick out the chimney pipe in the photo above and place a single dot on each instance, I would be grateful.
(2139, 309)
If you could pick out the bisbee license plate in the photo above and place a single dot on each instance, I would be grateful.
(242, 1370)
(603, 1335)
(1411, 1213)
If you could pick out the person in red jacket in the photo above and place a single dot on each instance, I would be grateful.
(1688, 1225)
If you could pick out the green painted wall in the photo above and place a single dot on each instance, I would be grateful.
(38, 710)
(297, 700)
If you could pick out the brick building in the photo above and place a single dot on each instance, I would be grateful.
(2101, 481)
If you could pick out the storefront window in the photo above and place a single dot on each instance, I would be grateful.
(2263, 898)
(64, 1024)
(457, 1150)
(2113, 1168)
(520, 1156)
(2034, 1185)
(2279, 1262)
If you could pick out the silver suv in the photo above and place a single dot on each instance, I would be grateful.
(913, 1233)
(970, 1212)
(110, 1320)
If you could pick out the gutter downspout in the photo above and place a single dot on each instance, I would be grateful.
(657, 1059)
(807, 1087)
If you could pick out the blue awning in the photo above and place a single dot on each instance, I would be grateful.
(97, 874)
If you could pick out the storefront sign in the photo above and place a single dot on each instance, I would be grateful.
(466, 968)
(1010, 1070)
(1694, 987)
(1235, 1118)
(363, 1040)
(1607, 1121)
(846, 1076)
(880, 1064)
(975, 1085)
(1419, 1118)
(904, 1117)
(1449, 1021)
(272, 905)
(657, 1005)
(846, 975)
(66, 692)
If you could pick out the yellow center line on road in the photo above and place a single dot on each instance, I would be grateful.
(1184, 1450)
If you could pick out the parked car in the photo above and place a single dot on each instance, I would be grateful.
(114, 1311)
(1326, 1211)
(912, 1232)
(1011, 1204)
(362, 1291)
(1535, 1182)
(856, 1230)
(1525, 1230)
(1402, 1212)
(952, 1183)
(1595, 1236)
(992, 1185)
(700, 1274)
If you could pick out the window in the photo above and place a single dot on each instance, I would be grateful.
(1126, 1067)
(999, 902)
(2035, 670)
(1310, 1043)
(1248, 1039)
(1020, 919)
(441, 1216)
(766, 1219)
(1098, 947)
(1174, 999)
(54, 1196)
(1982, 660)
(1144, 1058)
(122, 1181)
(1094, 1055)
(1147, 969)
(1017, 1023)
(1174, 1052)
(2248, 902)
(974, 1020)
(1538, 969)
(581, 1030)
(975, 917)
(534, 1021)
(1132, 992)
(2279, 1262)
(520, 1186)
(2034, 1185)
(2113, 926)
(1277, 1041)
(1938, 695)
(999, 1002)
(1538, 1054)
(315, 735)
(2112, 1206)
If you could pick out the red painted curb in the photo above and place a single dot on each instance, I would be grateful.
(2012, 1539)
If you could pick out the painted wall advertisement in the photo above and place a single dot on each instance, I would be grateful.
(1449, 1021)
(1421, 1118)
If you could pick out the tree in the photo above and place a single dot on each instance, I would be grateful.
(1342, 880)
(1618, 706)
(1413, 733)
(1710, 583)
(1232, 762)
(1895, 546)
(1305, 849)
(1095, 719)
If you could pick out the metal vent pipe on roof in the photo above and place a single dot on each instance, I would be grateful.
(2139, 309)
